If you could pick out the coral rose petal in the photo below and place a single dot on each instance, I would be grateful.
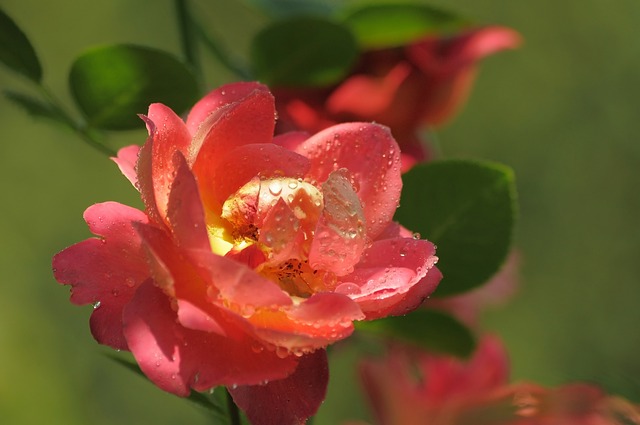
(371, 155)
(216, 99)
(185, 213)
(247, 121)
(105, 272)
(412, 299)
(167, 134)
(291, 140)
(240, 165)
(366, 97)
(239, 284)
(387, 272)
(177, 359)
(340, 236)
(289, 401)
(126, 161)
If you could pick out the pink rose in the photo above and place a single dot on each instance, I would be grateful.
(252, 255)
(404, 88)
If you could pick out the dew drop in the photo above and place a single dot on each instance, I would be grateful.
(96, 305)
(282, 352)
(275, 187)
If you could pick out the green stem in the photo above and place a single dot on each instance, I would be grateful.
(232, 64)
(188, 37)
(85, 132)
(234, 413)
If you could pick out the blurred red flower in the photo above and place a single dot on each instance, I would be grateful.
(252, 255)
(411, 387)
(404, 88)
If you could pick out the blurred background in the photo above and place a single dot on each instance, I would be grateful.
(562, 111)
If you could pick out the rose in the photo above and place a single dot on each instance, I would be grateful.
(412, 387)
(404, 88)
(252, 255)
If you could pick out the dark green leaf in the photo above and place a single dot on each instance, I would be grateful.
(387, 25)
(288, 8)
(429, 329)
(16, 51)
(36, 107)
(303, 52)
(467, 209)
(113, 84)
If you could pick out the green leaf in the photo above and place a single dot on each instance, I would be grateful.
(288, 8)
(303, 52)
(36, 107)
(467, 208)
(429, 329)
(16, 50)
(112, 84)
(388, 25)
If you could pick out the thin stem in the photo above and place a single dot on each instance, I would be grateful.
(234, 413)
(232, 64)
(188, 37)
(85, 132)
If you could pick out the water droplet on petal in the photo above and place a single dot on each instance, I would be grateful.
(282, 352)
(96, 305)
(275, 187)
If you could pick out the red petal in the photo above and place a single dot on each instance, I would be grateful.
(238, 166)
(245, 121)
(105, 270)
(289, 401)
(372, 157)
(389, 269)
(126, 161)
(177, 359)
(340, 236)
(185, 213)
(216, 99)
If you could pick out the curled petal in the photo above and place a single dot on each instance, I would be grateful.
(240, 165)
(126, 161)
(372, 157)
(185, 212)
(105, 272)
(246, 121)
(177, 359)
(289, 401)
(320, 320)
(389, 269)
(340, 236)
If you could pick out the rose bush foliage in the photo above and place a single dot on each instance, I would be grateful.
(252, 255)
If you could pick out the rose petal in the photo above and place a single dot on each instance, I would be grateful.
(177, 359)
(387, 272)
(372, 157)
(289, 401)
(167, 134)
(106, 271)
(185, 213)
(365, 96)
(239, 165)
(126, 161)
(248, 120)
(340, 236)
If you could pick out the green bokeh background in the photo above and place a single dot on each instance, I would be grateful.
(562, 111)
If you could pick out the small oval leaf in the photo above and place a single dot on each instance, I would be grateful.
(303, 52)
(466, 208)
(426, 328)
(16, 50)
(115, 83)
(388, 25)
